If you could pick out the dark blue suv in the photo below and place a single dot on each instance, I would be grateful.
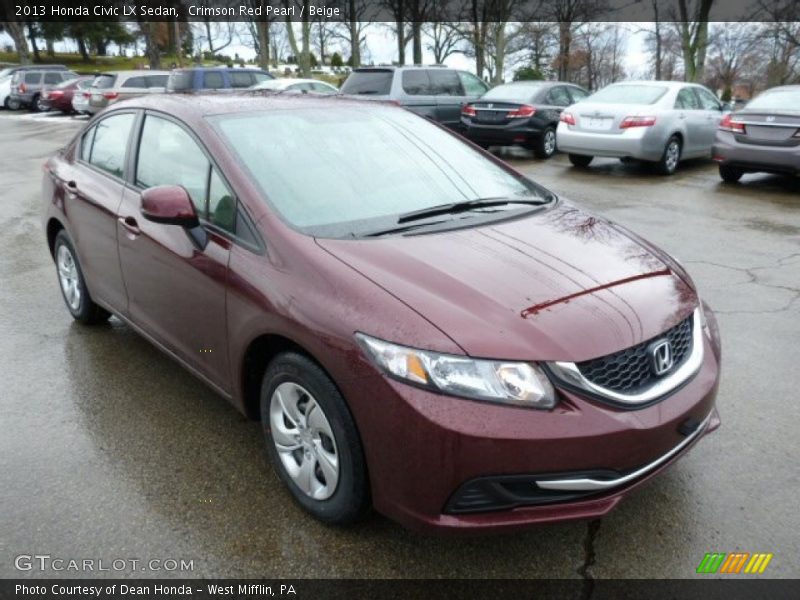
(195, 79)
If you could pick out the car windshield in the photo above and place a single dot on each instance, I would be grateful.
(376, 82)
(358, 169)
(516, 93)
(628, 94)
(104, 81)
(777, 99)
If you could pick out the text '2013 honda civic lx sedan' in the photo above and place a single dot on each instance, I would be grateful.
(419, 327)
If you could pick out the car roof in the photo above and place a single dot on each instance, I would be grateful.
(219, 68)
(669, 84)
(401, 67)
(136, 73)
(203, 104)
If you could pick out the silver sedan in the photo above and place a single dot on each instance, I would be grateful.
(658, 121)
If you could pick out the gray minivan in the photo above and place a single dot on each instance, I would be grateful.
(436, 92)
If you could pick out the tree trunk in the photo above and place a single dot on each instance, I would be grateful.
(51, 48)
(102, 48)
(658, 42)
(151, 46)
(82, 49)
(209, 37)
(500, 52)
(17, 32)
(355, 41)
(262, 28)
(416, 37)
(401, 41)
(564, 46)
(305, 32)
(32, 37)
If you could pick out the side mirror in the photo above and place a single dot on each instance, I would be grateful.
(170, 205)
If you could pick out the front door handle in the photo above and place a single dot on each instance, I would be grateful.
(130, 224)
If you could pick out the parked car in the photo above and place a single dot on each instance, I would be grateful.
(435, 92)
(461, 344)
(763, 136)
(195, 79)
(113, 86)
(80, 100)
(289, 84)
(523, 113)
(59, 97)
(7, 73)
(27, 86)
(662, 122)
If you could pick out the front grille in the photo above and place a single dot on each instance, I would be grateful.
(629, 371)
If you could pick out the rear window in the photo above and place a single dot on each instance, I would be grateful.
(516, 93)
(777, 99)
(240, 79)
(372, 82)
(134, 82)
(628, 94)
(157, 81)
(213, 80)
(104, 81)
(180, 81)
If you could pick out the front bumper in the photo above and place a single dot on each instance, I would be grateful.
(750, 157)
(643, 143)
(423, 448)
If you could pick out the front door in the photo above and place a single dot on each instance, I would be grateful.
(176, 284)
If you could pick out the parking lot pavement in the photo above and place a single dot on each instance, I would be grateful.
(109, 450)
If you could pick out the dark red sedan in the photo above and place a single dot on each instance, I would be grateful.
(59, 97)
(419, 327)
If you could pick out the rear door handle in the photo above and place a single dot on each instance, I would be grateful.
(130, 224)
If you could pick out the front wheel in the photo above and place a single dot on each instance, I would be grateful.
(730, 174)
(312, 440)
(12, 104)
(73, 286)
(39, 105)
(545, 146)
(671, 157)
(580, 160)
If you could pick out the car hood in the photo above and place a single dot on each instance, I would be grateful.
(558, 285)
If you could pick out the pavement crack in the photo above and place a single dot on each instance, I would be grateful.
(589, 555)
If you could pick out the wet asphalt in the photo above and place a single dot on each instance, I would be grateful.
(109, 450)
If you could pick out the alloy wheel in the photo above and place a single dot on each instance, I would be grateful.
(68, 277)
(673, 153)
(304, 440)
(549, 142)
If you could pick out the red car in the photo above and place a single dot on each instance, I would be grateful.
(419, 327)
(59, 97)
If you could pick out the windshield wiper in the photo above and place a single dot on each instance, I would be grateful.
(466, 206)
(391, 230)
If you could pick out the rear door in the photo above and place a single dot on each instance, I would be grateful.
(693, 119)
(176, 286)
(555, 101)
(712, 111)
(93, 185)
(450, 96)
(417, 93)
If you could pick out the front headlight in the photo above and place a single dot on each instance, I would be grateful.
(516, 383)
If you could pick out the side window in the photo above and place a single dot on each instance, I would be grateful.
(258, 77)
(416, 82)
(686, 100)
(156, 81)
(707, 100)
(221, 204)
(322, 88)
(472, 85)
(33, 78)
(110, 143)
(445, 82)
(52, 78)
(240, 79)
(300, 87)
(213, 80)
(558, 96)
(86, 144)
(168, 155)
(134, 82)
(577, 94)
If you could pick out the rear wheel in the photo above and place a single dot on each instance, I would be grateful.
(580, 160)
(671, 157)
(545, 146)
(73, 286)
(12, 104)
(730, 174)
(38, 104)
(312, 440)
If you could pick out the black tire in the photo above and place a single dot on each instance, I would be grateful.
(350, 500)
(730, 174)
(12, 104)
(5, 103)
(36, 105)
(545, 144)
(580, 160)
(671, 156)
(85, 311)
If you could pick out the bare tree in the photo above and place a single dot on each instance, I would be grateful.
(537, 44)
(323, 32)
(693, 29)
(599, 54)
(358, 16)
(398, 9)
(731, 48)
(444, 39)
(302, 53)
